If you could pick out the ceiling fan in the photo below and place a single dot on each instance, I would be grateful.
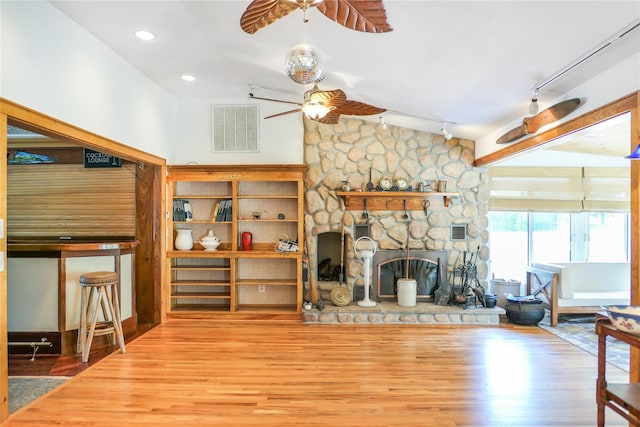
(532, 124)
(361, 15)
(326, 106)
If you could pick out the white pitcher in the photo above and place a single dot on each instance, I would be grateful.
(184, 240)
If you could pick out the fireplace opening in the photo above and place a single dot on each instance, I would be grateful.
(428, 268)
(329, 257)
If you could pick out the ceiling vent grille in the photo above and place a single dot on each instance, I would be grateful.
(235, 128)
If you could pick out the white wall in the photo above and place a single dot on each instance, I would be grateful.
(280, 137)
(50, 64)
(614, 83)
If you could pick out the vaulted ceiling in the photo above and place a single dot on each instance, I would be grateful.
(469, 63)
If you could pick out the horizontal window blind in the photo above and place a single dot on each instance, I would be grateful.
(559, 189)
(69, 200)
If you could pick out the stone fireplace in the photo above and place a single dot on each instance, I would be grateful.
(355, 151)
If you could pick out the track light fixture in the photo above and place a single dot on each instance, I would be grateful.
(383, 124)
(447, 135)
(533, 107)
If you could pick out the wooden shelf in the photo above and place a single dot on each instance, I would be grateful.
(200, 283)
(390, 200)
(267, 282)
(198, 295)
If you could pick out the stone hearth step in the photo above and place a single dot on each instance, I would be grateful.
(391, 313)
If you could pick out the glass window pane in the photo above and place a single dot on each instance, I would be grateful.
(509, 245)
(550, 237)
(607, 237)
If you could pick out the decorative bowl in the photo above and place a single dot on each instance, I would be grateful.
(625, 318)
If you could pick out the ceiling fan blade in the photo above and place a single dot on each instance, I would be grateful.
(367, 16)
(330, 98)
(551, 114)
(261, 13)
(532, 124)
(357, 108)
(297, 110)
(273, 100)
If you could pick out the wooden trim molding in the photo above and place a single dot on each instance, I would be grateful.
(615, 108)
(4, 358)
(29, 119)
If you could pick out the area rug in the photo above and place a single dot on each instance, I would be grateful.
(580, 331)
(23, 390)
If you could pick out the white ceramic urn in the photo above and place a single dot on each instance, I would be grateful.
(210, 242)
(184, 240)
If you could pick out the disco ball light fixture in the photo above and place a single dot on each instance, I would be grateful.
(303, 65)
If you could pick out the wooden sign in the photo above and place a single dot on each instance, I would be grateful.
(96, 159)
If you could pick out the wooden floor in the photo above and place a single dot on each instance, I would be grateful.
(205, 373)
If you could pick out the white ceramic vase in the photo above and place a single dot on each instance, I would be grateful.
(184, 240)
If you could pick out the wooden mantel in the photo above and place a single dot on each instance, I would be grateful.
(391, 200)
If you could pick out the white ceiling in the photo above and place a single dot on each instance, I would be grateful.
(469, 63)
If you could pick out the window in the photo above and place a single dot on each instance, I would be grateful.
(521, 238)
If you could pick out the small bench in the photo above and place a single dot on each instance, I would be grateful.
(579, 287)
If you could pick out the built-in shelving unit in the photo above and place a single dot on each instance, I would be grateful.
(264, 200)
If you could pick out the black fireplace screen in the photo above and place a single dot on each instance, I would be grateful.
(426, 267)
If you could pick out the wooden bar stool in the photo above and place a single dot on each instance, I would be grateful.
(105, 284)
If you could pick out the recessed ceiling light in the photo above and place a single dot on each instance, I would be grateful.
(145, 35)
(187, 77)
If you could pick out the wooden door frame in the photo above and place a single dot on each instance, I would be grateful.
(150, 223)
(627, 104)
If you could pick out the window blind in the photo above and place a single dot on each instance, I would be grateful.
(559, 189)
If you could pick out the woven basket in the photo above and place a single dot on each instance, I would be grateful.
(340, 296)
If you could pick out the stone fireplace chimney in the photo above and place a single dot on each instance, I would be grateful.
(353, 150)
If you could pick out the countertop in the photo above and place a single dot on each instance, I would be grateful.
(53, 244)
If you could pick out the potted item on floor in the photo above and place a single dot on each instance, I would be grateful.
(526, 310)
(490, 300)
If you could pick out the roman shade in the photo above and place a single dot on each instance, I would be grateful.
(559, 189)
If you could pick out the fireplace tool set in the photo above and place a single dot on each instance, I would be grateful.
(466, 286)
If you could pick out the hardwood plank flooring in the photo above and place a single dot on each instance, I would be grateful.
(212, 373)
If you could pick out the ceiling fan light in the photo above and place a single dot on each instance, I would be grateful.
(635, 155)
(303, 65)
(315, 110)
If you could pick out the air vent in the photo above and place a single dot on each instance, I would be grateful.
(235, 128)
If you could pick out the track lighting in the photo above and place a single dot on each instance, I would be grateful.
(447, 135)
(383, 124)
(533, 107)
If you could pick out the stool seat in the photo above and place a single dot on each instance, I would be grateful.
(105, 297)
(98, 278)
